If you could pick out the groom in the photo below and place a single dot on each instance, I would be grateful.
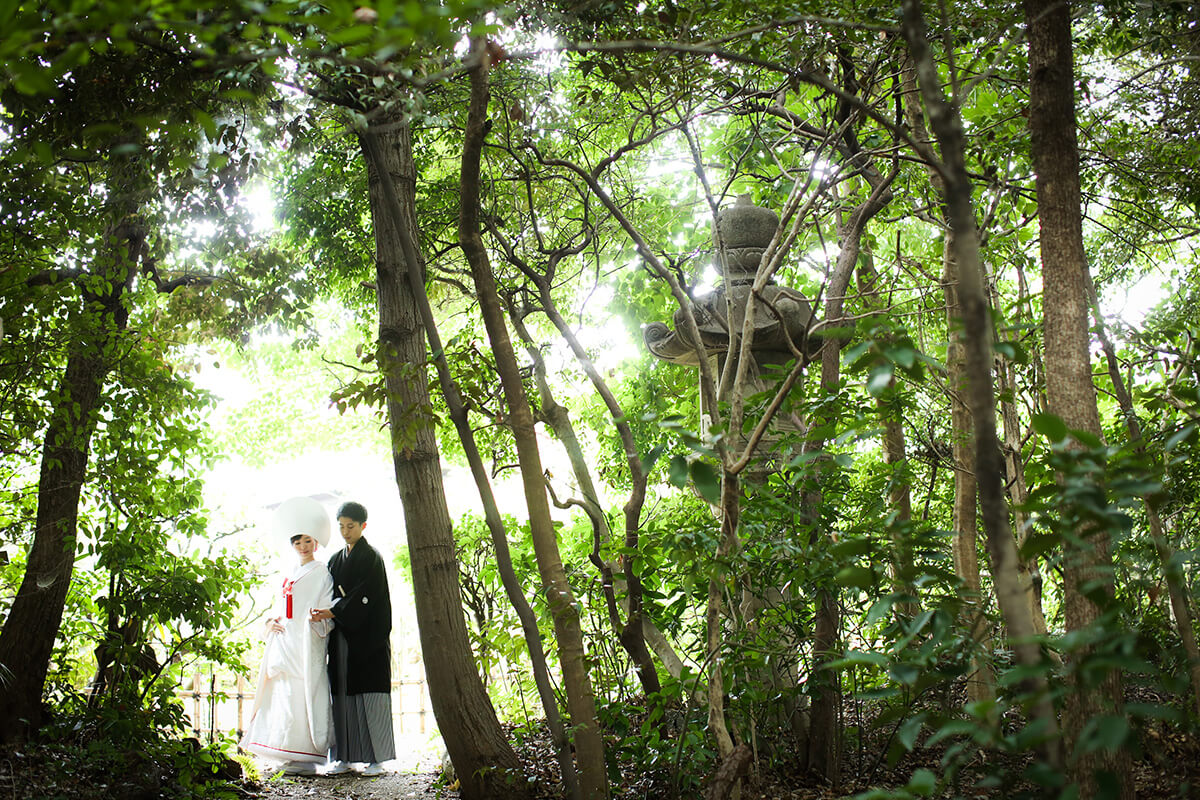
(360, 670)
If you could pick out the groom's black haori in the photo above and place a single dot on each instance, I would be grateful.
(360, 673)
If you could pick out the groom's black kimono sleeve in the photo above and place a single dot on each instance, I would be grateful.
(362, 611)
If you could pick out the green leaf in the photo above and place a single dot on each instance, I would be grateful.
(904, 356)
(1012, 351)
(1108, 732)
(922, 783)
(849, 548)
(908, 732)
(982, 709)
(1039, 544)
(905, 673)
(859, 657)
(677, 471)
(31, 80)
(855, 577)
(651, 458)
(804, 458)
(205, 121)
(1051, 426)
(7, 7)
(955, 727)
(1179, 436)
(853, 353)
(707, 481)
(879, 609)
(1154, 710)
(351, 35)
(920, 621)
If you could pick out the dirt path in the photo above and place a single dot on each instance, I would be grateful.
(402, 785)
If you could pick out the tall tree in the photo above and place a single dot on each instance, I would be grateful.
(113, 155)
(484, 760)
(1181, 606)
(1070, 391)
(946, 125)
(593, 778)
(964, 506)
(32, 623)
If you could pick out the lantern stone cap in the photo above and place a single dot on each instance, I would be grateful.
(744, 225)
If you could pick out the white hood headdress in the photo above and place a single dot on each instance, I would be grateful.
(302, 515)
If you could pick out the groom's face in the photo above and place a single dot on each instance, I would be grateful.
(351, 530)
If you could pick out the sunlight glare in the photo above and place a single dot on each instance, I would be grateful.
(707, 281)
(259, 202)
(1132, 305)
(604, 337)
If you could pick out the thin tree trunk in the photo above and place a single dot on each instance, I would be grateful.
(1177, 588)
(581, 702)
(1018, 491)
(508, 577)
(981, 682)
(27, 641)
(726, 782)
(728, 545)
(890, 405)
(486, 764)
(947, 127)
(824, 751)
(630, 632)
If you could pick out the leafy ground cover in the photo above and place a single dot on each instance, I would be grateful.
(1166, 766)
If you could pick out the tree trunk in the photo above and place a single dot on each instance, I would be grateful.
(1070, 393)
(977, 338)
(730, 514)
(890, 405)
(482, 757)
(823, 754)
(581, 703)
(1177, 588)
(727, 779)
(981, 682)
(508, 577)
(631, 632)
(895, 455)
(824, 751)
(1018, 492)
(27, 641)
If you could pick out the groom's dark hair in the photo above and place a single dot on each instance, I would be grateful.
(353, 510)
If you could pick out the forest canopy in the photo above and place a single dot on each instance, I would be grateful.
(891, 496)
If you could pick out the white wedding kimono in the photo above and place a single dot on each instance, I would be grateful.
(291, 716)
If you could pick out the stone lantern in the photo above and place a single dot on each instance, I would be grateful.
(782, 313)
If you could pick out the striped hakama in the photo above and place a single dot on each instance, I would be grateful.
(362, 723)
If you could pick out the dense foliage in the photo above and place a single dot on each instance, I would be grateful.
(820, 597)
